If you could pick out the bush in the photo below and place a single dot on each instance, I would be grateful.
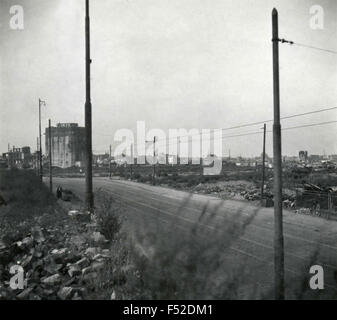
(162, 264)
(108, 214)
(136, 176)
(25, 194)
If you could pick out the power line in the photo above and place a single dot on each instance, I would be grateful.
(253, 123)
(315, 48)
(260, 132)
(282, 118)
(307, 46)
(283, 129)
(310, 125)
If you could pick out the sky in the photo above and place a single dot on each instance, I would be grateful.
(173, 64)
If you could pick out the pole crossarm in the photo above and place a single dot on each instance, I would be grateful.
(282, 40)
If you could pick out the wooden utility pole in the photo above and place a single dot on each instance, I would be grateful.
(110, 163)
(8, 155)
(263, 160)
(278, 220)
(330, 205)
(50, 159)
(132, 160)
(154, 162)
(88, 122)
(178, 152)
(40, 140)
(37, 157)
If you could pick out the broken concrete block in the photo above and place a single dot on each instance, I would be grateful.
(65, 293)
(52, 280)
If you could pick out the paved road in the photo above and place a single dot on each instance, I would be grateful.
(241, 233)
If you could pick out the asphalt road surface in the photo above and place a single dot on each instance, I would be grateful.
(242, 232)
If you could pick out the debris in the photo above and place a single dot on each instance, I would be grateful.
(83, 263)
(98, 237)
(37, 234)
(57, 261)
(65, 293)
(52, 280)
(25, 293)
(76, 296)
(92, 251)
(79, 215)
(74, 270)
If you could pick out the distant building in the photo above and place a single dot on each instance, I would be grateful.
(27, 157)
(18, 157)
(333, 158)
(14, 157)
(100, 159)
(315, 158)
(290, 159)
(303, 156)
(67, 144)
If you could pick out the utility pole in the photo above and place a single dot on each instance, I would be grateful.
(329, 201)
(110, 163)
(50, 159)
(40, 140)
(88, 122)
(8, 164)
(132, 160)
(201, 167)
(37, 157)
(278, 220)
(263, 160)
(178, 152)
(154, 161)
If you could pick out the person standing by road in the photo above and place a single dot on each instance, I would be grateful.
(59, 192)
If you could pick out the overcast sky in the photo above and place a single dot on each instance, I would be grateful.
(173, 63)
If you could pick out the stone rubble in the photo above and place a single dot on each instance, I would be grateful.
(58, 261)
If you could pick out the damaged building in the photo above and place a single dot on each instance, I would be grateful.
(18, 158)
(67, 145)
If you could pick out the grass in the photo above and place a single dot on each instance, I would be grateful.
(171, 259)
(158, 262)
(25, 194)
(26, 197)
(109, 215)
(179, 260)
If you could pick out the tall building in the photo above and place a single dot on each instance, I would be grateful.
(303, 156)
(27, 157)
(14, 157)
(67, 145)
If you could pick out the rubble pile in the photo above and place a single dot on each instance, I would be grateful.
(60, 261)
(231, 190)
(244, 190)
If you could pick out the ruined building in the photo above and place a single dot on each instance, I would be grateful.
(18, 157)
(67, 145)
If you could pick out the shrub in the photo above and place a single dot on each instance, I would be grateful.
(25, 194)
(108, 214)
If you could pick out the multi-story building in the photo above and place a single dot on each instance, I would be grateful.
(303, 156)
(18, 157)
(67, 145)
